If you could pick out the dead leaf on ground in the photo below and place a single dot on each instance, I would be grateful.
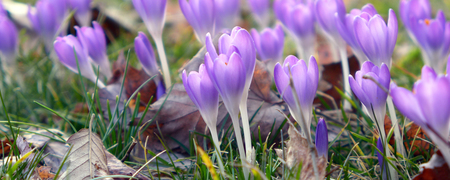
(44, 172)
(5, 147)
(297, 151)
(117, 167)
(436, 168)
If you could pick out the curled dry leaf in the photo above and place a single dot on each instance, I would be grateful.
(87, 158)
(297, 151)
(436, 168)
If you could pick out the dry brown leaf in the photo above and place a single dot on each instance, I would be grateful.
(116, 167)
(86, 157)
(434, 169)
(297, 151)
(44, 172)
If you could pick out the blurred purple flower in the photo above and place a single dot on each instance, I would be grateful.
(414, 9)
(146, 55)
(347, 32)
(376, 39)
(65, 47)
(202, 92)
(201, 16)
(305, 80)
(153, 14)
(269, 43)
(368, 92)
(83, 13)
(227, 12)
(94, 41)
(325, 11)
(433, 36)
(9, 40)
(322, 138)
(260, 9)
(381, 158)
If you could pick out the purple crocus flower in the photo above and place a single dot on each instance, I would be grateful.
(93, 39)
(83, 13)
(322, 138)
(368, 92)
(347, 32)
(227, 12)
(383, 164)
(65, 47)
(201, 16)
(376, 39)
(260, 9)
(305, 80)
(414, 9)
(269, 43)
(325, 11)
(146, 55)
(302, 29)
(427, 106)
(9, 40)
(153, 14)
(433, 36)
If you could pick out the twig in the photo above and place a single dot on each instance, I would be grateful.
(148, 162)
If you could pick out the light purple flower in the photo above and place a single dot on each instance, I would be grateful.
(289, 11)
(260, 9)
(416, 9)
(368, 92)
(227, 12)
(376, 39)
(202, 92)
(347, 32)
(322, 138)
(65, 47)
(305, 80)
(325, 11)
(153, 13)
(381, 158)
(83, 13)
(9, 39)
(269, 43)
(201, 16)
(433, 36)
(238, 41)
(94, 41)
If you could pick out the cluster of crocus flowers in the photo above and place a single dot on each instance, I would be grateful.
(269, 45)
(427, 106)
(301, 29)
(83, 13)
(432, 35)
(153, 13)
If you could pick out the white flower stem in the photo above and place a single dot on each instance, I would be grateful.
(345, 73)
(237, 131)
(246, 124)
(163, 59)
(398, 136)
(215, 138)
(392, 173)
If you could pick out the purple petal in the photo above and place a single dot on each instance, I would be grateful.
(365, 39)
(407, 104)
(322, 138)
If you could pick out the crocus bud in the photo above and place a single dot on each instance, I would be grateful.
(269, 43)
(427, 106)
(417, 9)
(83, 13)
(347, 32)
(93, 39)
(227, 12)
(433, 36)
(65, 47)
(376, 39)
(305, 78)
(201, 16)
(260, 9)
(368, 92)
(9, 40)
(153, 14)
(202, 92)
(383, 164)
(322, 138)
(325, 11)
(146, 55)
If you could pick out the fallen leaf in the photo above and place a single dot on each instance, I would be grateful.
(436, 168)
(117, 167)
(420, 147)
(297, 151)
(44, 172)
(87, 156)
(5, 147)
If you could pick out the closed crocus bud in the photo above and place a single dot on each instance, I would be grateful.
(93, 39)
(83, 13)
(260, 9)
(347, 32)
(305, 80)
(322, 138)
(146, 55)
(417, 9)
(9, 40)
(427, 106)
(227, 12)
(433, 36)
(65, 48)
(380, 157)
(368, 92)
(376, 39)
(325, 11)
(153, 14)
(201, 16)
(269, 43)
